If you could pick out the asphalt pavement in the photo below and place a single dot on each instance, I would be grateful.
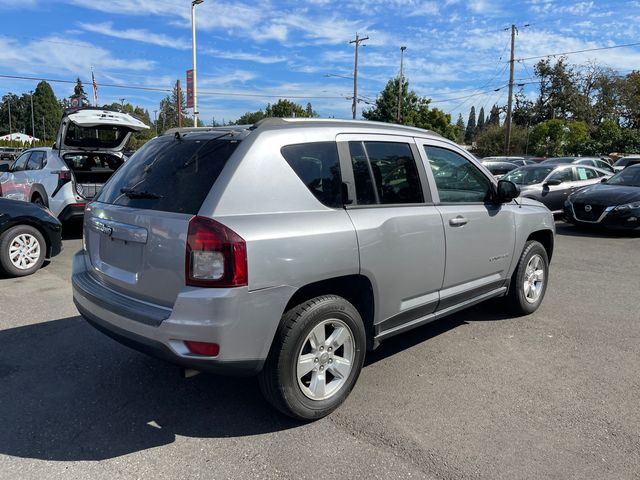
(555, 395)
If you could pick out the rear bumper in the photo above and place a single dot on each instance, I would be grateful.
(243, 323)
(75, 211)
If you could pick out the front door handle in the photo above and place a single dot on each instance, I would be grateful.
(458, 221)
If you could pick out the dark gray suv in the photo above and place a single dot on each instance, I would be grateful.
(292, 247)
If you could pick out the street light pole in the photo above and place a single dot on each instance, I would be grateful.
(402, 49)
(193, 54)
(10, 129)
(155, 120)
(33, 125)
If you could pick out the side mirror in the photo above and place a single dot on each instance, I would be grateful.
(5, 167)
(552, 183)
(507, 191)
(604, 180)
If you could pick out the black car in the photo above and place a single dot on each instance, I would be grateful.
(614, 204)
(29, 235)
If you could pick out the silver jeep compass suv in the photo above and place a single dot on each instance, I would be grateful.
(292, 247)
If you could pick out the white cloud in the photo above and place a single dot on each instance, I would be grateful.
(256, 57)
(58, 55)
(138, 35)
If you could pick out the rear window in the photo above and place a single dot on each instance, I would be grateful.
(95, 137)
(169, 175)
(318, 166)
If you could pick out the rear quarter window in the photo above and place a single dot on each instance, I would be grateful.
(169, 175)
(318, 166)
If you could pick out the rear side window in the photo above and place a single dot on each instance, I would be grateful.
(36, 160)
(318, 166)
(385, 173)
(169, 175)
(586, 173)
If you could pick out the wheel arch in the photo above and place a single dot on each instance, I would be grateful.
(546, 238)
(356, 289)
(37, 189)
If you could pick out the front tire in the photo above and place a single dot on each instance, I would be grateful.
(315, 359)
(530, 279)
(22, 250)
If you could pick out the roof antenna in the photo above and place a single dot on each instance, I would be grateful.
(177, 136)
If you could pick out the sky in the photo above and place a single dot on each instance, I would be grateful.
(253, 53)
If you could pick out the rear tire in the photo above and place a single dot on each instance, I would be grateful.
(22, 251)
(530, 279)
(315, 359)
(38, 200)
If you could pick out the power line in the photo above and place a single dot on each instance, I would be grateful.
(111, 85)
(580, 51)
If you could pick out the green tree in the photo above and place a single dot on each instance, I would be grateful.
(481, 121)
(250, 118)
(46, 111)
(490, 141)
(494, 116)
(386, 107)
(471, 127)
(416, 111)
(460, 129)
(558, 137)
(78, 91)
(286, 109)
(522, 109)
(559, 95)
(630, 99)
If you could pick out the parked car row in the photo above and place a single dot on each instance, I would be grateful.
(64, 178)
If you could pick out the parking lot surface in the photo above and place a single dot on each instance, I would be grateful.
(476, 395)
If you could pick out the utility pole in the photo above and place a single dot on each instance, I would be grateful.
(507, 146)
(179, 103)
(354, 105)
(399, 119)
(33, 125)
(155, 120)
(10, 129)
(122, 104)
(193, 55)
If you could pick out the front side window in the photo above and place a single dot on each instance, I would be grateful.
(385, 173)
(21, 162)
(457, 179)
(318, 166)
(565, 175)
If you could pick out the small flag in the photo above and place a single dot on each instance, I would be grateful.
(95, 89)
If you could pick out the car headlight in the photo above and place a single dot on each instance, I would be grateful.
(628, 206)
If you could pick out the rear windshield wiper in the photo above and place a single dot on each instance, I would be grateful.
(133, 193)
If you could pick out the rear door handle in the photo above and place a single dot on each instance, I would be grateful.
(458, 221)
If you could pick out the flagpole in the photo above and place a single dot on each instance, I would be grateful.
(95, 88)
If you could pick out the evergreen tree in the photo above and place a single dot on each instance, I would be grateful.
(494, 116)
(78, 91)
(480, 125)
(471, 127)
(46, 112)
(460, 129)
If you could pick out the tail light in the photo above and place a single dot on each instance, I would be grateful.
(64, 176)
(216, 256)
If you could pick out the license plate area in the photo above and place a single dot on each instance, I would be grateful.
(121, 254)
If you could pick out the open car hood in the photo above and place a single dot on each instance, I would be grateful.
(97, 130)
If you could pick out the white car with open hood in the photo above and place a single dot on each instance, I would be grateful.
(65, 177)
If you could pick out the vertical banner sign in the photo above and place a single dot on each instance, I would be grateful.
(189, 89)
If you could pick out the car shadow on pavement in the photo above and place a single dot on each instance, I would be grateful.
(566, 229)
(72, 230)
(489, 311)
(70, 393)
